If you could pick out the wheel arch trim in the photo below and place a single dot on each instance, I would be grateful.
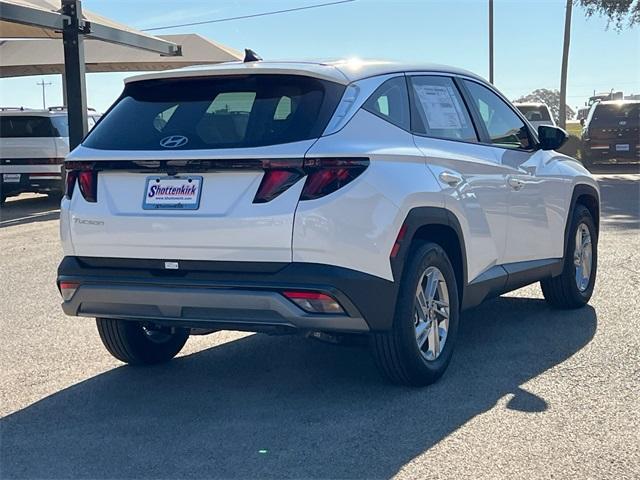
(582, 190)
(420, 217)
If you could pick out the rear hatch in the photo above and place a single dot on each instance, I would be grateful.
(31, 144)
(198, 168)
(616, 123)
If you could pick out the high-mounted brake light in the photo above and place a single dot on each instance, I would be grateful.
(314, 302)
(86, 177)
(67, 289)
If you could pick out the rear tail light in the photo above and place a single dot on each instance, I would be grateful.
(67, 289)
(72, 176)
(274, 183)
(314, 302)
(324, 176)
(86, 177)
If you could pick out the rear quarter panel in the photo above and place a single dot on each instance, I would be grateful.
(356, 226)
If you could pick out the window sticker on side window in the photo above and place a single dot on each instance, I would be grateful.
(439, 105)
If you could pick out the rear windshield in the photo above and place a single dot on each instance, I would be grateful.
(535, 113)
(614, 113)
(221, 112)
(13, 126)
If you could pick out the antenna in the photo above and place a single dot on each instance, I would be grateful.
(251, 56)
(43, 84)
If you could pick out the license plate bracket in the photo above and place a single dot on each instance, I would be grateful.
(163, 192)
(622, 147)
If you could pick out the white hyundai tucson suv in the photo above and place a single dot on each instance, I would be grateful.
(329, 199)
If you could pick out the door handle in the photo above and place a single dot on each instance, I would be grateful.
(451, 179)
(515, 183)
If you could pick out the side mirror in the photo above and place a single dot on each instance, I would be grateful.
(582, 122)
(551, 138)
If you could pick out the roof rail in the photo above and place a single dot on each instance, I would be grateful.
(61, 108)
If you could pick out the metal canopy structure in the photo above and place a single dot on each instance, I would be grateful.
(44, 19)
(46, 56)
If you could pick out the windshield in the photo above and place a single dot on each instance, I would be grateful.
(535, 113)
(13, 126)
(220, 112)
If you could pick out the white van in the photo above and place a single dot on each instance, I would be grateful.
(33, 144)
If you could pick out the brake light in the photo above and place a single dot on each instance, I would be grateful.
(314, 302)
(274, 182)
(87, 178)
(326, 175)
(68, 289)
(70, 184)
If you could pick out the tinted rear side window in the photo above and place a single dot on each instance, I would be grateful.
(391, 102)
(220, 112)
(12, 126)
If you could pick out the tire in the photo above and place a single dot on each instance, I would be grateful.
(586, 158)
(564, 291)
(137, 343)
(396, 351)
(55, 196)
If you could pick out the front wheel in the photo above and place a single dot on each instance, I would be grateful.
(418, 348)
(140, 343)
(574, 287)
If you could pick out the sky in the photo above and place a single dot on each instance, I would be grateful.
(528, 38)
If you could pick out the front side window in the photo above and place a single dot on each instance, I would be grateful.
(439, 109)
(505, 128)
(391, 102)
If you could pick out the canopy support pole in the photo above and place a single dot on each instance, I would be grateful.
(74, 72)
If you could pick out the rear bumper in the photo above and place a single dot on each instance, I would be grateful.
(225, 295)
(608, 150)
(32, 182)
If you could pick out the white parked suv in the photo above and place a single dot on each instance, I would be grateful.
(329, 199)
(537, 114)
(33, 145)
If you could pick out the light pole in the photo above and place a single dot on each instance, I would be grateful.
(43, 84)
(565, 66)
(491, 41)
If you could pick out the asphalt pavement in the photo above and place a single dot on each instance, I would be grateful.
(531, 392)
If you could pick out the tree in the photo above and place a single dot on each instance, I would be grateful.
(618, 12)
(551, 98)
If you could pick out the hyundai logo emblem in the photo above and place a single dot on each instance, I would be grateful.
(174, 141)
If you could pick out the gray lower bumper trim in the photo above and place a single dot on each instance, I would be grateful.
(195, 307)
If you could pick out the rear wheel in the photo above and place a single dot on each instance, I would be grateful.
(574, 287)
(418, 348)
(140, 343)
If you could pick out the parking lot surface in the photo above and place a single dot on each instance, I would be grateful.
(531, 392)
